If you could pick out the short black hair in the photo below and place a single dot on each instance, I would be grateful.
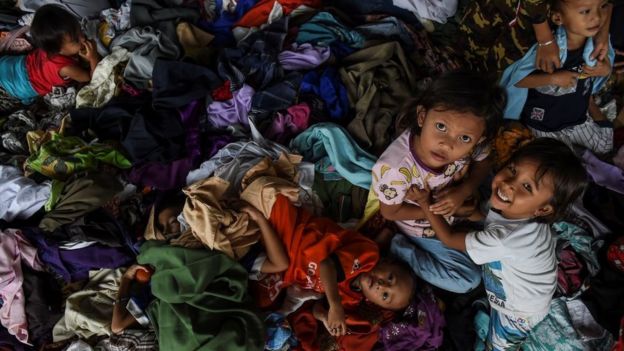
(461, 91)
(50, 25)
(565, 169)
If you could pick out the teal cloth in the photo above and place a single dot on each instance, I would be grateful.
(14, 78)
(323, 30)
(581, 242)
(201, 300)
(329, 140)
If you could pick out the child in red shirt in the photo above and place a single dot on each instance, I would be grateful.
(57, 35)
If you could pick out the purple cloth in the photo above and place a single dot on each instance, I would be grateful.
(234, 111)
(288, 125)
(304, 56)
(419, 328)
(604, 174)
(74, 265)
(216, 143)
(172, 175)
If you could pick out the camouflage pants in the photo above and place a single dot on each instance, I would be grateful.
(490, 43)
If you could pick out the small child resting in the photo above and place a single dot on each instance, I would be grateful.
(517, 246)
(559, 105)
(57, 35)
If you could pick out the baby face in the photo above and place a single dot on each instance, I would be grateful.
(388, 285)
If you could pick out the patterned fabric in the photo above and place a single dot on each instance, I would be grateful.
(418, 328)
(493, 43)
(134, 340)
(508, 333)
(8, 103)
(60, 157)
(591, 135)
(398, 168)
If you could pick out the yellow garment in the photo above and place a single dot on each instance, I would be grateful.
(216, 225)
(372, 206)
(284, 167)
(262, 193)
(185, 239)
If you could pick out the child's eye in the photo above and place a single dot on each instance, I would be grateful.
(604, 6)
(527, 186)
(584, 12)
(465, 139)
(441, 127)
(390, 277)
(384, 296)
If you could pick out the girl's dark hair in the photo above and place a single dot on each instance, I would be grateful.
(50, 25)
(461, 91)
(564, 167)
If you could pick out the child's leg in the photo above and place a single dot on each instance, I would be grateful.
(437, 264)
(594, 136)
(508, 333)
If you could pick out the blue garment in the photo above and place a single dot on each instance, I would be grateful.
(221, 27)
(331, 140)
(14, 78)
(279, 333)
(516, 97)
(329, 88)
(437, 264)
(323, 29)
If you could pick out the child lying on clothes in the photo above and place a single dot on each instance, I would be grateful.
(274, 260)
(517, 246)
(57, 35)
(340, 265)
(559, 105)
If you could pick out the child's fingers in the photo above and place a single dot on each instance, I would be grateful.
(439, 205)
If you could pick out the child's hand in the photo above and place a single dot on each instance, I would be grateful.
(336, 321)
(420, 196)
(564, 79)
(547, 58)
(131, 272)
(88, 51)
(602, 69)
(449, 200)
(253, 212)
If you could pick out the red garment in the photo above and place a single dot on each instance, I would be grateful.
(309, 240)
(43, 71)
(259, 14)
(222, 93)
(615, 254)
(312, 335)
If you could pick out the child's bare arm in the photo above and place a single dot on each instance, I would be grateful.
(450, 200)
(122, 319)
(403, 211)
(277, 259)
(76, 73)
(453, 239)
(335, 316)
(564, 79)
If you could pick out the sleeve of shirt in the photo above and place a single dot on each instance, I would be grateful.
(390, 184)
(486, 245)
(356, 254)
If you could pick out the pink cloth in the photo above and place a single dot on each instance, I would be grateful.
(234, 111)
(15, 249)
(288, 125)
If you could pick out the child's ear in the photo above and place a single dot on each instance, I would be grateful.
(421, 113)
(544, 211)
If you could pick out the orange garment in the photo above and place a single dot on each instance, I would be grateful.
(310, 240)
(312, 335)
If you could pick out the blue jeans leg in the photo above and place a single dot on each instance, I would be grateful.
(437, 264)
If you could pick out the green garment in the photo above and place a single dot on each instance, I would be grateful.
(62, 156)
(201, 300)
(343, 200)
(72, 200)
(379, 79)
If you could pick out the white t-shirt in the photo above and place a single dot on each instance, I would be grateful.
(519, 264)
